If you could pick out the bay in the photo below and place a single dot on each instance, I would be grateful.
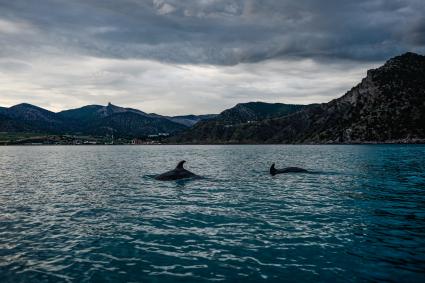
(96, 214)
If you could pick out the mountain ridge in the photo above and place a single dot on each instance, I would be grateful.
(90, 119)
(387, 105)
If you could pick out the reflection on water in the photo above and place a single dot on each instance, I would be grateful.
(95, 213)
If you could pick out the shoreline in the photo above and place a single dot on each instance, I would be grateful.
(188, 144)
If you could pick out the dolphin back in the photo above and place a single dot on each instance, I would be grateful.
(175, 174)
(274, 171)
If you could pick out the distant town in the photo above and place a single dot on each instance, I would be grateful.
(49, 139)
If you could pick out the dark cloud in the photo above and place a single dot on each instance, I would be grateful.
(197, 56)
(416, 33)
(222, 32)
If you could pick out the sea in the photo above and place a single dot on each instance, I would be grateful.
(96, 214)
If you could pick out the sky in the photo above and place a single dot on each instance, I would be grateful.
(176, 57)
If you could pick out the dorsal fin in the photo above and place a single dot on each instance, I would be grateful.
(180, 165)
(272, 169)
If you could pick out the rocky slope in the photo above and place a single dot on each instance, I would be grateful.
(387, 106)
(220, 127)
(256, 111)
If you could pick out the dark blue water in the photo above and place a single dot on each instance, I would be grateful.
(95, 214)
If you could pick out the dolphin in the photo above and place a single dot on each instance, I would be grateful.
(274, 171)
(176, 174)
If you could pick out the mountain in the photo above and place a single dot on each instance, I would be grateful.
(31, 118)
(8, 124)
(91, 112)
(130, 124)
(255, 111)
(91, 120)
(119, 121)
(388, 105)
(218, 128)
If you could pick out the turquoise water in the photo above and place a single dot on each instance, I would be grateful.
(95, 214)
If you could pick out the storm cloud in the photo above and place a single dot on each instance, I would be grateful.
(177, 57)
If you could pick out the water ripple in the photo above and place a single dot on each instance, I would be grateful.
(87, 214)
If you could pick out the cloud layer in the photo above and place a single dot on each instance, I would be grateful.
(174, 56)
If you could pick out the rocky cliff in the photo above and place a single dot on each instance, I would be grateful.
(388, 105)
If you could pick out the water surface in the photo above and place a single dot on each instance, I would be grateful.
(95, 214)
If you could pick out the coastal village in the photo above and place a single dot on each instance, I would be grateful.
(45, 139)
